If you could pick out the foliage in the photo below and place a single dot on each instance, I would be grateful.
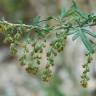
(33, 39)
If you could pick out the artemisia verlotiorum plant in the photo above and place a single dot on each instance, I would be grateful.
(33, 39)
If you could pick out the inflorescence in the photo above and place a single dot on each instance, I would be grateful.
(35, 43)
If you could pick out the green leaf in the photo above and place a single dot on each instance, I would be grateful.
(75, 36)
(36, 20)
(85, 40)
(93, 34)
(63, 13)
(74, 5)
(71, 32)
(83, 15)
(76, 8)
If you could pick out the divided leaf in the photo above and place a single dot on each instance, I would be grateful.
(93, 34)
(85, 40)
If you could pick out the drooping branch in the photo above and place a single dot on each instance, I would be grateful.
(71, 22)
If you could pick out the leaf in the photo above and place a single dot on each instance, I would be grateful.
(36, 20)
(78, 11)
(63, 13)
(66, 13)
(83, 15)
(74, 4)
(75, 36)
(47, 28)
(71, 32)
(85, 40)
(93, 34)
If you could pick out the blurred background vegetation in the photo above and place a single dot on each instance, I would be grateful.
(14, 81)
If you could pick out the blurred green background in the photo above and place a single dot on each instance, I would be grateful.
(14, 81)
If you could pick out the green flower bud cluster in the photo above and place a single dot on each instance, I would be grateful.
(36, 54)
(52, 51)
(12, 36)
(23, 58)
(32, 58)
(31, 69)
(68, 24)
(47, 74)
(50, 56)
(60, 41)
(56, 46)
(13, 48)
(84, 76)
